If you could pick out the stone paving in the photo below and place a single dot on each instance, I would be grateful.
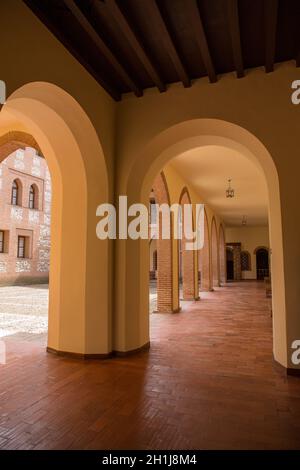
(24, 311)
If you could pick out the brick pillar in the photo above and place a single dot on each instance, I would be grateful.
(164, 251)
(222, 255)
(214, 254)
(204, 264)
(188, 260)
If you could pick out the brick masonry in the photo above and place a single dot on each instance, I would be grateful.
(164, 251)
(204, 260)
(27, 168)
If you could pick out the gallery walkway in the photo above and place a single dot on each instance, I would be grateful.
(208, 382)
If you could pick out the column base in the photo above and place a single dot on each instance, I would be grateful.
(287, 371)
(110, 355)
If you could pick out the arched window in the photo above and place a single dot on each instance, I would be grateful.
(15, 193)
(245, 261)
(33, 197)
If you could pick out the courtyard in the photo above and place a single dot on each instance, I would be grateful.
(24, 312)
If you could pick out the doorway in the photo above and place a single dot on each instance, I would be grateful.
(262, 264)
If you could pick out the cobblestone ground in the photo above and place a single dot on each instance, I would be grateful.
(24, 312)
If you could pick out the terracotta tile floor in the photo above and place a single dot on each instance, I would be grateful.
(208, 382)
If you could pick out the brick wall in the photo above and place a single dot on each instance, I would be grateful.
(204, 260)
(27, 168)
(187, 259)
(164, 251)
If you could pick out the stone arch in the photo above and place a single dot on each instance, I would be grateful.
(222, 255)
(204, 258)
(161, 148)
(79, 292)
(214, 254)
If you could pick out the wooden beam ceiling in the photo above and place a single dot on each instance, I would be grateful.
(131, 45)
(195, 20)
(135, 44)
(157, 19)
(234, 28)
(103, 49)
(270, 14)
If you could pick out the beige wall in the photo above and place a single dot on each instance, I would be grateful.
(250, 238)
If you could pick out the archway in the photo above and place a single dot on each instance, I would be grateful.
(161, 149)
(187, 258)
(164, 248)
(214, 254)
(204, 259)
(79, 285)
(262, 263)
(229, 264)
(222, 255)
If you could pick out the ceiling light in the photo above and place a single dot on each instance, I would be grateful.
(229, 190)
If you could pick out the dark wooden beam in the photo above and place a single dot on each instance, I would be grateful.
(234, 28)
(103, 49)
(44, 18)
(270, 15)
(135, 44)
(195, 21)
(157, 19)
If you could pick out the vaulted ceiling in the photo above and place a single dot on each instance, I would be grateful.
(208, 168)
(131, 45)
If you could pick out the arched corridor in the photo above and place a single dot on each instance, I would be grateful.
(171, 133)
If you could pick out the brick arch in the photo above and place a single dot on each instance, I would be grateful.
(164, 249)
(222, 254)
(190, 287)
(214, 254)
(204, 258)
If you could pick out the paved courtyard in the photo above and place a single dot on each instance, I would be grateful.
(24, 311)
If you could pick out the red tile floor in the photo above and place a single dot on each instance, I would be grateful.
(208, 382)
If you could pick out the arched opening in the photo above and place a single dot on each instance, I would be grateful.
(214, 254)
(170, 143)
(186, 256)
(262, 263)
(24, 273)
(204, 259)
(245, 261)
(222, 255)
(79, 290)
(160, 196)
(229, 264)
(33, 200)
(16, 193)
